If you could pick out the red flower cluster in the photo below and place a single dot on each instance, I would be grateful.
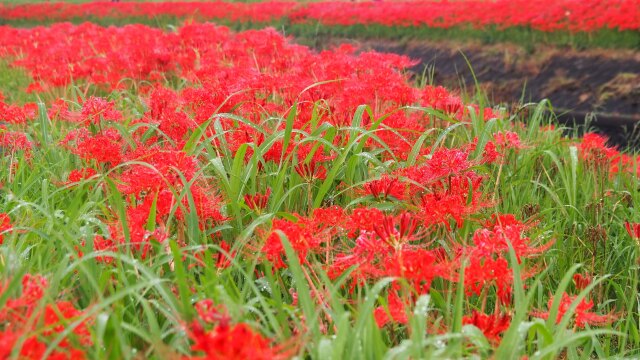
(581, 316)
(597, 154)
(22, 315)
(548, 15)
(5, 226)
(224, 340)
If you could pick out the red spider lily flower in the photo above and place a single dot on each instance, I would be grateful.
(106, 147)
(455, 199)
(59, 110)
(633, 229)
(8, 340)
(12, 141)
(492, 326)
(363, 219)
(95, 109)
(5, 226)
(394, 312)
(310, 161)
(581, 281)
(56, 317)
(330, 220)
(233, 342)
(257, 201)
(582, 315)
(311, 171)
(102, 244)
(595, 152)
(35, 87)
(140, 237)
(502, 230)
(223, 260)
(384, 188)
(508, 140)
(273, 249)
(452, 106)
(484, 272)
(78, 175)
(369, 257)
(396, 237)
(307, 234)
(12, 114)
(418, 266)
(162, 169)
(490, 154)
(446, 162)
(15, 315)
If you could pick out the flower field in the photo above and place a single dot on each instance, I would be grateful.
(582, 23)
(193, 192)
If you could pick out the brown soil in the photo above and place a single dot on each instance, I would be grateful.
(577, 83)
(594, 80)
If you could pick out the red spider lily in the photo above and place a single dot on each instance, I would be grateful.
(484, 272)
(418, 266)
(587, 16)
(332, 220)
(490, 154)
(508, 140)
(235, 342)
(582, 315)
(34, 349)
(384, 188)
(226, 340)
(455, 199)
(633, 229)
(394, 312)
(363, 219)
(59, 110)
(581, 281)
(300, 237)
(386, 251)
(78, 175)
(258, 201)
(597, 154)
(447, 162)
(106, 147)
(14, 114)
(396, 237)
(310, 162)
(306, 235)
(162, 169)
(12, 141)
(101, 244)
(95, 109)
(223, 260)
(505, 231)
(5, 226)
(452, 106)
(15, 315)
(311, 171)
(492, 326)
(368, 257)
